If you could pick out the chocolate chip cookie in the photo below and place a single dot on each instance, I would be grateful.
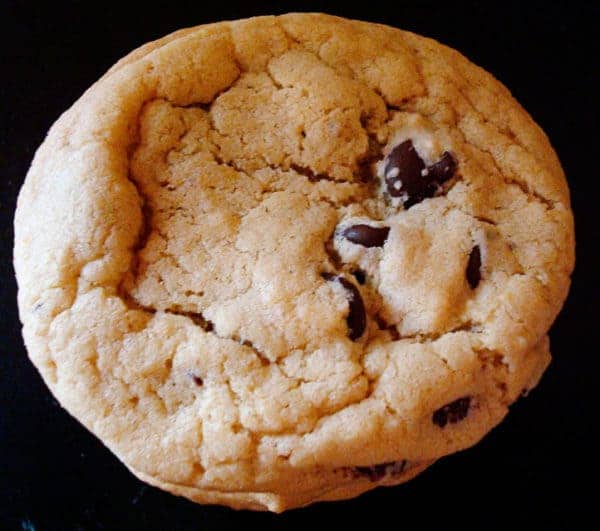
(289, 259)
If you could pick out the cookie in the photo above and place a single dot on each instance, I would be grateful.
(289, 259)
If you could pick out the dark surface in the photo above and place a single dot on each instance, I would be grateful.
(54, 475)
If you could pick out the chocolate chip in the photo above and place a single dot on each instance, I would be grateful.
(360, 276)
(197, 380)
(474, 267)
(357, 315)
(452, 412)
(407, 177)
(377, 472)
(403, 173)
(366, 235)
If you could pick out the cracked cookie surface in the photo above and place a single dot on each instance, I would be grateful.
(288, 259)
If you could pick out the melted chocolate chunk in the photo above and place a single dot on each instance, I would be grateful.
(452, 412)
(366, 235)
(378, 472)
(443, 169)
(407, 177)
(474, 267)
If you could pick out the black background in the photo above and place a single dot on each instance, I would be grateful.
(530, 471)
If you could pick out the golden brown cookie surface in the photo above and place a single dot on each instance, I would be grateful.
(287, 259)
